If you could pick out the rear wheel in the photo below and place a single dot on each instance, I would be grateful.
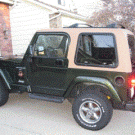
(4, 94)
(92, 110)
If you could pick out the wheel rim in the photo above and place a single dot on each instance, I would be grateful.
(90, 112)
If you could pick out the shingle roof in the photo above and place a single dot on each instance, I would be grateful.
(10, 2)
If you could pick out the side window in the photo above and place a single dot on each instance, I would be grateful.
(51, 45)
(96, 50)
(61, 2)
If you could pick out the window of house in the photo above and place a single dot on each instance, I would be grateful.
(96, 50)
(51, 45)
(61, 2)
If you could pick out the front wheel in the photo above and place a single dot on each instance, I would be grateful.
(92, 110)
(4, 94)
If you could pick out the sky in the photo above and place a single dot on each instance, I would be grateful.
(87, 7)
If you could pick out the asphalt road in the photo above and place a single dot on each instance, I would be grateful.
(25, 116)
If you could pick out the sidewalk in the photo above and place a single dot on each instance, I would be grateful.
(25, 116)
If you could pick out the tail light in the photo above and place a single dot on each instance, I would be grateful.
(132, 87)
(20, 74)
(132, 82)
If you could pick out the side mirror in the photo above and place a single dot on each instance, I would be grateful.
(41, 48)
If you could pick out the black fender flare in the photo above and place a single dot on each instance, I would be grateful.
(5, 80)
(95, 81)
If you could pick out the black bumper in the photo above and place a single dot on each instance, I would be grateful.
(130, 106)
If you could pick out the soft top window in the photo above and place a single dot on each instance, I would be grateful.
(131, 41)
(96, 50)
(51, 45)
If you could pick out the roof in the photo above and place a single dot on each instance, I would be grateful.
(10, 2)
(83, 29)
(120, 40)
(56, 9)
(77, 26)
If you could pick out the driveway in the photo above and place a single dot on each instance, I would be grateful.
(25, 116)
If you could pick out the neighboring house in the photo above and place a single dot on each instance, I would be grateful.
(28, 16)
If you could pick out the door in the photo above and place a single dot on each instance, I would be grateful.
(49, 64)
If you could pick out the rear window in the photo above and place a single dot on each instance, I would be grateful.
(131, 41)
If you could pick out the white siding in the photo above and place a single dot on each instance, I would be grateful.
(26, 19)
(67, 21)
(68, 4)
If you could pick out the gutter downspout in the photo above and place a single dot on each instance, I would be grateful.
(55, 16)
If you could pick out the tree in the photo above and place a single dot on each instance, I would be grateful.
(119, 11)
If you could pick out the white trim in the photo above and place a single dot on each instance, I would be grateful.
(80, 17)
(55, 10)
(10, 2)
(55, 16)
(42, 5)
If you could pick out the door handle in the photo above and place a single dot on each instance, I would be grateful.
(60, 62)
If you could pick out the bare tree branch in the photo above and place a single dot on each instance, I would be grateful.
(119, 11)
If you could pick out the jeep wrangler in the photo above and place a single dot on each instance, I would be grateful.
(91, 67)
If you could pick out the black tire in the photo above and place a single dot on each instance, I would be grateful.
(4, 94)
(92, 110)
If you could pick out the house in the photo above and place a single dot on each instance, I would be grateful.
(28, 16)
(5, 30)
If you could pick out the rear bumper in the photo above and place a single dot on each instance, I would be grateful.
(130, 106)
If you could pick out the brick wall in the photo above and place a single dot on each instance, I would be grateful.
(5, 31)
(134, 29)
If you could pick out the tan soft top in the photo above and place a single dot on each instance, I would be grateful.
(106, 30)
(124, 61)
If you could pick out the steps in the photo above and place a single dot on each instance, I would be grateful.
(46, 97)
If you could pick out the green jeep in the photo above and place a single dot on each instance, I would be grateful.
(91, 67)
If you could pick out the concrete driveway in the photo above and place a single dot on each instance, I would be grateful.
(25, 116)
